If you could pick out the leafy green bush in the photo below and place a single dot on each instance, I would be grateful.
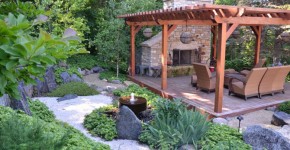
(237, 64)
(223, 136)
(138, 91)
(70, 71)
(173, 127)
(285, 107)
(98, 123)
(41, 111)
(78, 88)
(83, 61)
(19, 131)
(110, 75)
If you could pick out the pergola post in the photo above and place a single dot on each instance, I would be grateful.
(258, 33)
(220, 67)
(132, 41)
(134, 30)
(214, 32)
(164, 56)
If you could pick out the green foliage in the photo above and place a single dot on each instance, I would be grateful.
(285, 107)
(109, 75)
(221, 136)
(98, 123)
(174, 126)
(138, 91)
(24, 56)
(238, 64)
(41, 111)
(83, 61)
(78, 88)
(112, 40)
(70, 71)
(18, 131)
(225, 2)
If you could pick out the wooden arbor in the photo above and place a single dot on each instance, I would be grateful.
(223, 20)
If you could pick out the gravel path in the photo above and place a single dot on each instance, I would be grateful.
(73, 112)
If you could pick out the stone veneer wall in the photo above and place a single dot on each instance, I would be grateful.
(151, 49)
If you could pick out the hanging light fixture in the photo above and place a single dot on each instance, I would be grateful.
(147, 32)
(186, 37)
(236, 34)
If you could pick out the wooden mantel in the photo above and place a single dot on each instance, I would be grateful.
(223, 20)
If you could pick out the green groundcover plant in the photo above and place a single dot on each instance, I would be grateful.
(223, 137)
(20, 131)
(173, 126)
(78, 88)
(83, 61)
(41, 111)
(285, 107)
(100, 124)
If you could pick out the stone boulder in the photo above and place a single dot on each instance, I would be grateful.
(75, 78)
(65, 77)
(128, 125)
(67, 97)
(261, 138)
(280, 118)
(97, 69)
(220, 121)
(116, 82)
(5, 100)
(187, 147)
(50, 79)
(48, 83)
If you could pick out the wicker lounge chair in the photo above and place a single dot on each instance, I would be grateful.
(268, 81)
(205, 79)
(279, 81)
(248, 86)
(258, 65)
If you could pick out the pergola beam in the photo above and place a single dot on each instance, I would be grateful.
(252, 20)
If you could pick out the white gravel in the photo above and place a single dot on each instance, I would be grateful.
(73, 112)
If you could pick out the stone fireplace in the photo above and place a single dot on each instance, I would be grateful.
(178, 53)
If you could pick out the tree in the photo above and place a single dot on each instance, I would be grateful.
(112, 40)
(23, 56)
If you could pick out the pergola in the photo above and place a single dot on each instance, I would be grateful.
(223, 21)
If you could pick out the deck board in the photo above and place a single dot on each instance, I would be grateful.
(180, 87)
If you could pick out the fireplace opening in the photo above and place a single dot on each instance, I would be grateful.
(182, 57)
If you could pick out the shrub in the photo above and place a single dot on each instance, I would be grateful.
(70, 71)
(223, 136)
(110, 75)
(285, 107)
(78, 88)
(19, 131)
(41, 111)
(138, 91)
(173, 127)
(83, 61)
(237, 64)
(98, 123)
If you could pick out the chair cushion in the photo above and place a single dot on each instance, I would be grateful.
(238, 87)
(245, 72)
(230, 71)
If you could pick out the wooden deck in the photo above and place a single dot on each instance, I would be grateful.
(180, 87)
